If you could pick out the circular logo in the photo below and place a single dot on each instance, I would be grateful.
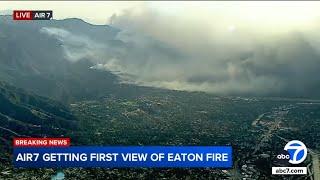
(297, 151)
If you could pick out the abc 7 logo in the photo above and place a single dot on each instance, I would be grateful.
(283, 156)
(295, 152)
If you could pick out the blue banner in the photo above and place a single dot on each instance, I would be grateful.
(124, 156)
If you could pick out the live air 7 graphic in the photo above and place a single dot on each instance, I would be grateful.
(32, 15)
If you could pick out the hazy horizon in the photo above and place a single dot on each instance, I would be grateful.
(257, 48)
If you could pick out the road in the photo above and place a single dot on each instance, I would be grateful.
(315, 165)
(268, 134)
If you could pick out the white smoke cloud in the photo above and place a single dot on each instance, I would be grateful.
(76, 47)
(212, 52)
(257, 50)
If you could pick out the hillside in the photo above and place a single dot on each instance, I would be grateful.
(23, 114)
(34, 57)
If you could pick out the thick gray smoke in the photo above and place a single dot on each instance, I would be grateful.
(221, 58)
(76, 47)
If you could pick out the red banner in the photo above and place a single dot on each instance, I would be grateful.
(41, 142)
(22, 15)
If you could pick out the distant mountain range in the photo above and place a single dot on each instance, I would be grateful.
(38, 81)
(36, 61)
(58, 59)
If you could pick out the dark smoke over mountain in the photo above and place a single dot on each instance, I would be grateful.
(284, 64)
(145, 50)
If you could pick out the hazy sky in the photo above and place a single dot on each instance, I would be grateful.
(94, 12)
(98, 11)
(225, 47)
